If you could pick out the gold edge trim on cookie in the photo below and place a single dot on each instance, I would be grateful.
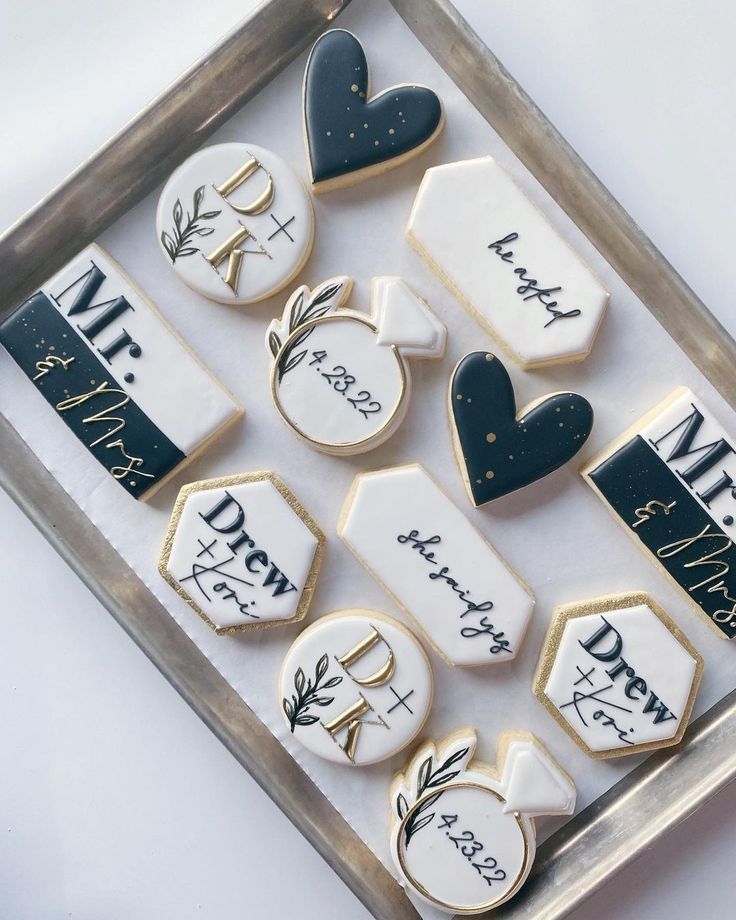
(341, 523)
(486, 905)
(348, 447)
(223, 482)
(598, 605)
(493, 772)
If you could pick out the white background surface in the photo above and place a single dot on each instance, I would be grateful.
(118, 801)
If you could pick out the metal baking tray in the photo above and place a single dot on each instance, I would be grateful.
(667, 787)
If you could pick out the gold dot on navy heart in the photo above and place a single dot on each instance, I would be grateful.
(490, 474)
(354, 88)
(490, 437)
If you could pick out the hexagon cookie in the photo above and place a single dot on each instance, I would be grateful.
(496, 251)
(242, 552)
(422, 549)
(618, 675)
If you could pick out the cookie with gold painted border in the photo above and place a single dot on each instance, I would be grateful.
(340, 378)
(462, 833)
(242, 552)
(618, 675)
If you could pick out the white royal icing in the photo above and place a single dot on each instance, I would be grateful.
(355, 687)
(462, 839)
(620, 679)
(166, 375)
(230, 189)
(495, 249)
(339, 377)
(709, 474)
(428, 555)
(243, 552)
(671, 480)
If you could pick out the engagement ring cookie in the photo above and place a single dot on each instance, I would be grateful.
(669, 480)
(355, 687)
(462, 833)
(506, 263)
(235, 223)
(117, 374)
(350, 137)
(498, 451)
(340, 378)
(424, 551)
(618, 675)
(242, 552)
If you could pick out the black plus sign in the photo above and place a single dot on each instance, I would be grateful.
(282, 228)
(401, 700)
(583, 676)
(206, 549)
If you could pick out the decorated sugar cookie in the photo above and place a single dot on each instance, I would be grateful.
(618, 675)
(235, 223)
(506, 263)
(350, 136)
(498, 451)
(242, 552)
(462, 833)
(340, 378)
(117, 374)
(669, 480)
(355, 687)
(436, 565)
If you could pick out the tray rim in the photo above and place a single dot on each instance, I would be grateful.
(582, 855)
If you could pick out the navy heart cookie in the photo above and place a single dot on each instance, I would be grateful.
(350, 137)
(500, 452)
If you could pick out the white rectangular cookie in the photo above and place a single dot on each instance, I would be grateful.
(118, 375)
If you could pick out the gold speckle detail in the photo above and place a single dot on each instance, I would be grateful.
(354, 88)
(489, 357)
(391, 131)
(459, 396)
(490, 437)
(365, 124)
(490, 474)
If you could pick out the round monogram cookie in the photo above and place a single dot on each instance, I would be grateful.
(355, 687)
(235, 222)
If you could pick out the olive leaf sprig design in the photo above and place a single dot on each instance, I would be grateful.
(307, 694)
(302, 308)
(427, 778)
(178, 243)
